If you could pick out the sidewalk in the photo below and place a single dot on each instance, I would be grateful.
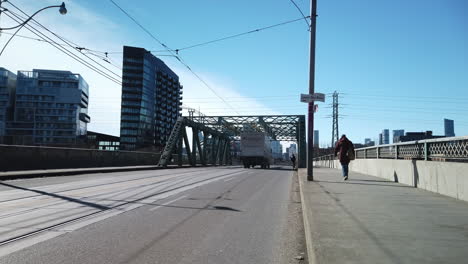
(370, 220)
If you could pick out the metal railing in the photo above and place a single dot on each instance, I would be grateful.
(453, 149)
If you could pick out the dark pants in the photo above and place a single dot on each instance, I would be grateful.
(344, 169)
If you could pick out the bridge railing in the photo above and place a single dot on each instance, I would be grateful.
(454, 149)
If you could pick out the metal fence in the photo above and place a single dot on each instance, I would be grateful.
(453, 149)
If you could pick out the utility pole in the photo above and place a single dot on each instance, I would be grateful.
(310, 121)
(335, 132)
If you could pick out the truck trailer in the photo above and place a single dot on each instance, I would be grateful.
(256, 150)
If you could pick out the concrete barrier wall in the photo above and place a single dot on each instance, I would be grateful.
(31, 158)
(447, 178)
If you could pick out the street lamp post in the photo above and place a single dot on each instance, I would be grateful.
(62, 10)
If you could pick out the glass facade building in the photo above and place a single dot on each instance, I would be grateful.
(51, 108)
(7, 93)
(385, 136)
(449, 128)
(151, 101)
(397, 134)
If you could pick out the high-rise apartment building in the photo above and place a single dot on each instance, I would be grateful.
(151, 101)
(449, 128)
(385, 136)
(7, 93)
(50, 108)
(397, 134)
(316, 138)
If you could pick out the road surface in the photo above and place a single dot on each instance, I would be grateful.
(191, 215)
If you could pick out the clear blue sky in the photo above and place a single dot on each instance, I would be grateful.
(397, 64)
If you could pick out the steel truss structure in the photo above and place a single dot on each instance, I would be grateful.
(279, 127)
(209, 146)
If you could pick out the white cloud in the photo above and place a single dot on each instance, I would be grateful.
(92, 30)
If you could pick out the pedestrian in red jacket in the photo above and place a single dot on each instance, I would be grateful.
(345, 148)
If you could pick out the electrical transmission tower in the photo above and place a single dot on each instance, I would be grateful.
(335, 132)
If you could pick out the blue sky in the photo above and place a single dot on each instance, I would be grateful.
(396, 64)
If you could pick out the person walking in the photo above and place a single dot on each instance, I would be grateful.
(345, 148)
(293, 160)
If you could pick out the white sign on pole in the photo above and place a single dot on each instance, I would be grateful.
(308, 98)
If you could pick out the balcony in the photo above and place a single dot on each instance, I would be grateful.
(85, 117)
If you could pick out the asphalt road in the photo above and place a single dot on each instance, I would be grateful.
(193, 215)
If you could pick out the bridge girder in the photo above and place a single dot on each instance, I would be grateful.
(279, 127)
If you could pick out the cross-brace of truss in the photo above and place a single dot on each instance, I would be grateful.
(213, 149)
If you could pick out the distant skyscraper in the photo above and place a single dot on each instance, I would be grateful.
(51, 108)
(7, 91)
(380, 139)
(385, 136)
(151, 101)
(276, 149)
(316, 138)
(367, 141)
(397, 134)
(449, 128)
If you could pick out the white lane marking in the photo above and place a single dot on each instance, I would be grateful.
(229, 179)
(164, 204)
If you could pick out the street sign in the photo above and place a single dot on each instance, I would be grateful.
(308, 98)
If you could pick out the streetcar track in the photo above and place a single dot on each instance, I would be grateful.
(97, 185)
(54, 226)
(157, 184)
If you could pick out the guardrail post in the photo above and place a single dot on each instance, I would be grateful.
(425, 151)
(365, 154)
(377, 152)
(396, 151)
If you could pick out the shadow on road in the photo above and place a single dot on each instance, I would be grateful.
(66, 198)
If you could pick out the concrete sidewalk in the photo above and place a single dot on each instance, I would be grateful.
(370, 220)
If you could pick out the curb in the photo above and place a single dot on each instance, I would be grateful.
(308, 235)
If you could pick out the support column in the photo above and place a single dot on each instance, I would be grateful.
(187, 147)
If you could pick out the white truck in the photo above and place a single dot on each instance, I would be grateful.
(256, 150)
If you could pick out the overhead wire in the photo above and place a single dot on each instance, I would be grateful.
(224, 38)
(300, 11)
(62, 49)
(67, 42)
(86, 50)
(173, 53)
(240, 34)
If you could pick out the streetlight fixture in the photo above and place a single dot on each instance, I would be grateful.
(62, 10)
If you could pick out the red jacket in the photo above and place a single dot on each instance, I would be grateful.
(342, 146)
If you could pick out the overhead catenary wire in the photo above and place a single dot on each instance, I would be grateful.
(302, 13)
(67, 42)
(224, 38)
(173, 53)
(62, 49)
(86, 50)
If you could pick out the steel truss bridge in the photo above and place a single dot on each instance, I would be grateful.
(212, 135)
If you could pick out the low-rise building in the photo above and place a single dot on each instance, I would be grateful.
(50, 108)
